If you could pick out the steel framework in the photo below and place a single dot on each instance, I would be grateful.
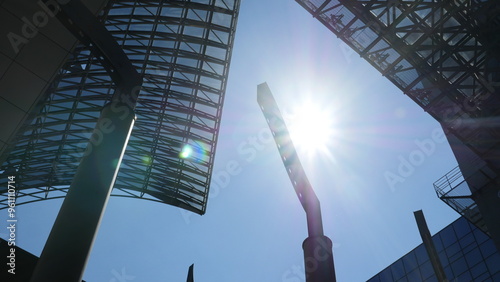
(445, 55)
(182, 50)
(437, 52)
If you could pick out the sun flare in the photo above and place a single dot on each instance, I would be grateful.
(311, 127)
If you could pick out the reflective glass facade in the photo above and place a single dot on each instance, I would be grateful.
(466, 253)
(182, 49)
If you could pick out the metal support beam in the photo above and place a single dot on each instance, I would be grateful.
(318, 254)
(90, 31)
(429, 246)
(190, 277)
(68, 247)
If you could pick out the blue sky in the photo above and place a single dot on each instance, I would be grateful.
(254, 226)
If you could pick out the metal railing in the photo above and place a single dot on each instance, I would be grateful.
(453, 189)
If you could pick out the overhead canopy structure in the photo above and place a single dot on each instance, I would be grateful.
(445, 55)
(182, 50)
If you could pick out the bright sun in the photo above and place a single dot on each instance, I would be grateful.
(311, 128)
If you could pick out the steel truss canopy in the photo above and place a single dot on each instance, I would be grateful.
(182, 50)
(445, 55)
(442, 54)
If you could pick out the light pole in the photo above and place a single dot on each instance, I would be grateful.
(318, 254)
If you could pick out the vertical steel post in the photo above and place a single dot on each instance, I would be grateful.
(70, 241)
(190, 277)
(318, 259)
(67, 249)
(429, 246)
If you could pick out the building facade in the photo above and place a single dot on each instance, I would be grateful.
(182, 51)
(466, 254)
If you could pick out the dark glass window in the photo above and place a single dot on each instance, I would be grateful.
(470, 247)
(478, 270)
(398, 270)
(449, 273)
(484, 278)
(459, 266)
(480, 236)
(403, 279)
(386, 275)
(414, 276)
(461, 227)
(493, 263)
(467, 240)
(447, 236)
(443, 258)
(432, 279)
(453, 252)
(464, 277)
(473, 257)
(487, 248)
(426, 270)
(496, 277)
(437, 242)
(421, 254)
(410, 262)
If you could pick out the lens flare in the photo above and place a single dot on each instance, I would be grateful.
(196, 151)
(186, 152)
(146, 160)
